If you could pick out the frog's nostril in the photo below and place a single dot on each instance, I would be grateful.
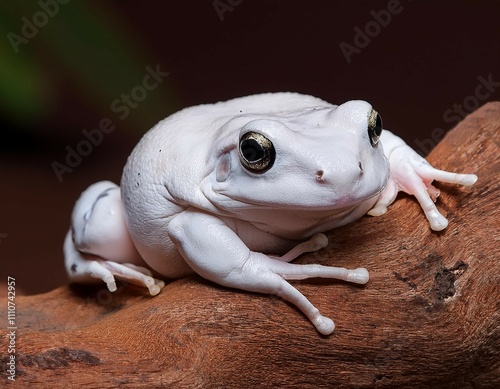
(319, 175)
(360, 168)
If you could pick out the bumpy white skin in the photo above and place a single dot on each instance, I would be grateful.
(191, 206)
(98, 245)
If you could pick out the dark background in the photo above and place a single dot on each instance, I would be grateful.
(426, 61)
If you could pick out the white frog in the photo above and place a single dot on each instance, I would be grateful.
(236, 190)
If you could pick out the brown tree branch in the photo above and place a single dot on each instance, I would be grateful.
(428, 317)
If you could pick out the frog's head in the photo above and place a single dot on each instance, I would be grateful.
(320, 158)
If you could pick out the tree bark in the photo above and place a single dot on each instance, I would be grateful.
(428, 317)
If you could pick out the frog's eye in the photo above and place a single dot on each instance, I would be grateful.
(374, 127)
(257, 153)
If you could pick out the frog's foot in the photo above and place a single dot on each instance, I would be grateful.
(108, 270)
(412, 174)
(323, 324)
(83, 267)
(269, 275)
(288, 271)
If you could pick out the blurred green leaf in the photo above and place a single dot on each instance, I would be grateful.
(25, 95)
(86, 45)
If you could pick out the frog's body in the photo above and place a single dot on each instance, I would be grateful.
(223, 189)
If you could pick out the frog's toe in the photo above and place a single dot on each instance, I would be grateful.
(96, 270)
(315, 243)
(437, 221)
(154, 289)
(318, 241)
(358, 276)
(155, 286)
(426, 196)
(378, 210)
(427, 172)
(468, 179)
(324, 325)
(110, 283)
(134, 274)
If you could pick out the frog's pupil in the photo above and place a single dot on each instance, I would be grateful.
(378, 126)
(252, 151)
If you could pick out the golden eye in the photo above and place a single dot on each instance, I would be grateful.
(374, 127)
(257, 153)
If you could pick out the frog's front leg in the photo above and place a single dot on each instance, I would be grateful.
(98, 245)
(412, 174)
(215, 252)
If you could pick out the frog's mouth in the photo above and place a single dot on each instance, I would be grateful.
(233, 203)
(311, 197)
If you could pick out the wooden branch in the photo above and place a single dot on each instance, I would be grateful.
(429, 317)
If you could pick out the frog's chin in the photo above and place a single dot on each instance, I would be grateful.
(300, 223)
(355, 200)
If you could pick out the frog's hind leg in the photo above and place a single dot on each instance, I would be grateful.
(98, 245)
(88, 268)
